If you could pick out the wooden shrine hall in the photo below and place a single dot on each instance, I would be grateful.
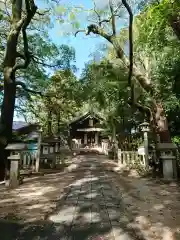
(86, 130)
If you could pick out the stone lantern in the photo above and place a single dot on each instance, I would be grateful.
(14, 158)
(144, 127)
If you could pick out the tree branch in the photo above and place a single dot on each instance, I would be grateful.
(36, 60)
(130, 40)
(42, 13)
(112, 18)
(96, 30)
(20, 55)
(83, 30)
(141, 108)
(99, 17)
(1, 87)
(23, 85)
(113, 14)
(30, 12)
(143, 80)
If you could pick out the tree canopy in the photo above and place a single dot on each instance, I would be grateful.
(49, 85)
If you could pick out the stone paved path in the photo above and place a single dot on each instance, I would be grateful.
(92, 208)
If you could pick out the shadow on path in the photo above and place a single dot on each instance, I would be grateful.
(91, 209)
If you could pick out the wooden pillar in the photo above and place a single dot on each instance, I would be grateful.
(56, 147)
(96, 138)
(29, 159)
(85, 138)
(38, 151)
(24, 159)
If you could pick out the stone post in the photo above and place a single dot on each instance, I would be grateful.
(119, 157)
(145, 129)
(14, 170)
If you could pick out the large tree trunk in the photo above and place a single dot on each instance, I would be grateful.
(7, 113)
(58, 124)
(7, 109)
(49, 126)
(10, 66)
(162, 124)
(175, 24)
(161, 130)
(160, 117)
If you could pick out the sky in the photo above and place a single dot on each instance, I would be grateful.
(84, 45)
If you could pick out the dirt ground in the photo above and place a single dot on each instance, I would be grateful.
(153, 204)
(36, 197)
(149, 207)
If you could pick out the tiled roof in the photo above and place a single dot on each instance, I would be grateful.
(19, 124)
(86, 115)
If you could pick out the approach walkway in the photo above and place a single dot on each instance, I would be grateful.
(89, 202)
(92, 208)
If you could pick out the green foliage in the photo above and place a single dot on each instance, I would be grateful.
(176, 140)
(105, 89)
(154, 25)
(159, 50)
(63, 91)
(102, 86)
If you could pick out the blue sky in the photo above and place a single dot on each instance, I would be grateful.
(84, 45)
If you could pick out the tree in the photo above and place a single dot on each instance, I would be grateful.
(101, 26)
(20, 27)
(21, 16)
(164, 12)
(61, 98)
(105, 89)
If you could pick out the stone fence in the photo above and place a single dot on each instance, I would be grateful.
(130, 158)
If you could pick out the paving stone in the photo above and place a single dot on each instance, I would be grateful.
(92, 209)
(121, 234)
(64, 215)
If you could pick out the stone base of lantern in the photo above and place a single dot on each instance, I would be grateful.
(168, 166)
(168, 157)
